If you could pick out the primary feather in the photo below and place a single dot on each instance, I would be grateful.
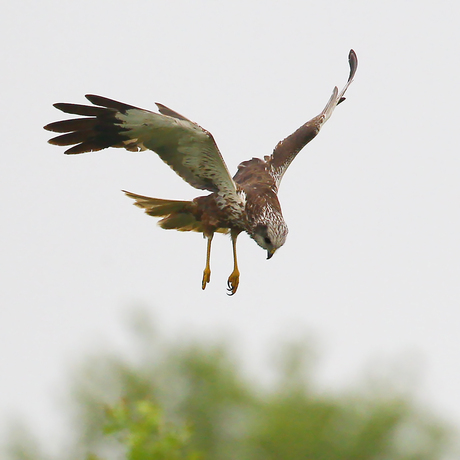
(186, 147)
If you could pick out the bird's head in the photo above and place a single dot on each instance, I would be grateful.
(270, 235)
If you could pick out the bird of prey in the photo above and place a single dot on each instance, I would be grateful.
(247, 202)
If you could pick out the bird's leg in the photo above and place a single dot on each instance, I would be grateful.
(207, 269)
(234, 278)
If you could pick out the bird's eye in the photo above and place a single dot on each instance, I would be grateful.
(267, 240)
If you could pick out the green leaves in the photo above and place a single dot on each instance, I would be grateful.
(195, 402)
(141, 428)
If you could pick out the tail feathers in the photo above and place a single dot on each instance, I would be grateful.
(157, 207)
(178, 215)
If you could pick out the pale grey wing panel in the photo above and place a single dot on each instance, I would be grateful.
(286, 150)
(186, 147)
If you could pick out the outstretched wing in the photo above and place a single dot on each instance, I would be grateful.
(189, 149)
(287, 149)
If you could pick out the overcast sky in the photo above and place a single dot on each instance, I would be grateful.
(371, 266)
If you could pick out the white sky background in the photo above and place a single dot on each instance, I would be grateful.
(372, 263)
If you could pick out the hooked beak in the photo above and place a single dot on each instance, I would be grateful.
(270, 253)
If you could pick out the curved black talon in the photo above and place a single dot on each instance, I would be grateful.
(230, 289)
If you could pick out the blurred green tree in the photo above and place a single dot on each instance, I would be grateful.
(192, 401)
(139, 426)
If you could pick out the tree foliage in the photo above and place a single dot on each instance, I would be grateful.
(139, 426)
(194, 402)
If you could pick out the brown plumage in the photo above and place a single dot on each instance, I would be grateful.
(247, 202)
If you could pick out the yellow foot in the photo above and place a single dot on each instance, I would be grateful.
(233, 282)
(206, 278)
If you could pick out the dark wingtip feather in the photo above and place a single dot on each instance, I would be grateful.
(109, 103)
(78, 109)
(353, 61)
(76, 150)
(98, 129)
(72, 138)
(66, 126)
(88, 146)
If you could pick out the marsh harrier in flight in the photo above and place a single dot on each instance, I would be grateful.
(248, 202)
